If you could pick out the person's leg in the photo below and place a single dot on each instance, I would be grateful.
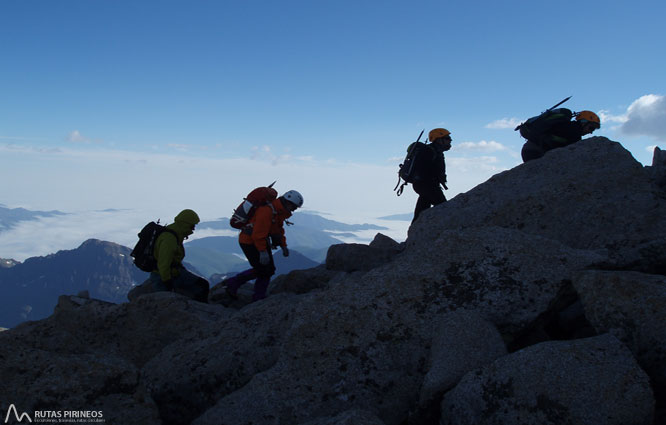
(531, 151)
(263, 271)
(429, 195)
(260, 288)
(191, 285)
(235, 282)
(156, 282)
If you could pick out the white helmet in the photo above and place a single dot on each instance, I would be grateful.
(294, 197)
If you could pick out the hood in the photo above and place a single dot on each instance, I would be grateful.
(184, 223)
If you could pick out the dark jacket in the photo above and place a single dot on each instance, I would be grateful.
(430, 166)
(560, 135)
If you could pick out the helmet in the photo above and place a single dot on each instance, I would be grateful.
(588, 116)
(187, 216)
(436, 133)
(294, 197)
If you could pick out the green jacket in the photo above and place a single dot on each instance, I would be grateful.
(169, 250)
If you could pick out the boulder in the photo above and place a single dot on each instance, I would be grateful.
(132, 331)
(587, 381)
(191, 374)
(658, 168)
(358, 257)
(589, 195)
(303, 281)
(511, 277)
(384, 243)
(630, 305)
(462, 341)
(36, 379)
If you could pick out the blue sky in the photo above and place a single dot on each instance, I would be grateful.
(202, 100)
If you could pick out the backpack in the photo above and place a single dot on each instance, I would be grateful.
(258, 197)
(144, 248)
(407, 170)
(540, 124)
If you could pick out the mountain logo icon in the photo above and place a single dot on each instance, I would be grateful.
(18, 417)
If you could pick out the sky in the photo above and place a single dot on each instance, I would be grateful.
(149, 107)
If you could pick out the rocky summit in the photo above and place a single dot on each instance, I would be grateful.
(538, 297)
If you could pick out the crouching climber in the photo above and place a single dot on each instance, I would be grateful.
(265, 231)
(553, 129)
(169, 252)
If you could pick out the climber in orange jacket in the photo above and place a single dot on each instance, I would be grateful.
(264, 232)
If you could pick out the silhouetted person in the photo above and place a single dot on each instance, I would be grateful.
(560, 135)
(431, 171)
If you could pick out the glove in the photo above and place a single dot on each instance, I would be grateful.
(285, 251)
(264, 259)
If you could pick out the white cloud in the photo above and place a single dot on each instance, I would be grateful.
(646, 116)
(504, 123)
(482, 146)
(76, 137)
(265, 153)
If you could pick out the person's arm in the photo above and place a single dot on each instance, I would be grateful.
(165, 250)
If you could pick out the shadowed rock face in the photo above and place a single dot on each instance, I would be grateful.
(465, 323)
(590, 195)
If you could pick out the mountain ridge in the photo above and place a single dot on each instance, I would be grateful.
(535, 298)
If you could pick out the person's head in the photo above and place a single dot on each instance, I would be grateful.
(589, 121)
(292, 200)
(188, 218)
(441, 138)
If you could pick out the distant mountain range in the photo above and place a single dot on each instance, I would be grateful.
(7, 263)
(9, 217)
(30, 290)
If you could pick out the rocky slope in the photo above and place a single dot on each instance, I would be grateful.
(536, 298)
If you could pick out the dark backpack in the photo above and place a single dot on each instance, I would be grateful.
(407, 170)
(536, 126)
(255, 199)
(144, 248)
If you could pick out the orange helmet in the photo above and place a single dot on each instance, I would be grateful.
(588, 116)
(436, 133)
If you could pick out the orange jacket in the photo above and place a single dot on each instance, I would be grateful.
(263, 223)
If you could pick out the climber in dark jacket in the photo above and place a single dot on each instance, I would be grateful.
(431, 171)
(169, 252)
(560, 135)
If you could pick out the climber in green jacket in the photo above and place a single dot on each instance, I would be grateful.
(169, 252)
